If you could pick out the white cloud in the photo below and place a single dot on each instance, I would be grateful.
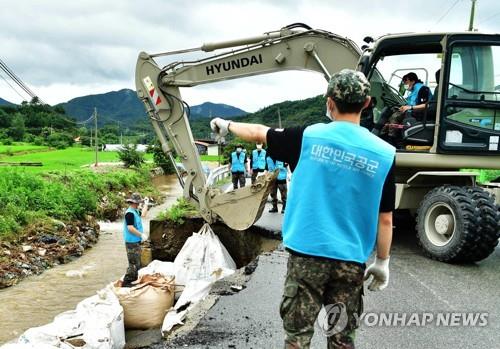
(64, 49)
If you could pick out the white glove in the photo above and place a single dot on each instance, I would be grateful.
(146, 202)
(220, 127)
(144, 237)
(380, 272)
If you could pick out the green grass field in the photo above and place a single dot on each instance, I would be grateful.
(20, 148)
(65, 159)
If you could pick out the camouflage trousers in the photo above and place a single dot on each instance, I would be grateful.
(313, 282)
(134, 263)
(274, 193)
(255, 173)
(238, 177)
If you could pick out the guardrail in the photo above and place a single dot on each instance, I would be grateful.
(217, 174)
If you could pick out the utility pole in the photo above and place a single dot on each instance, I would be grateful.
(95, 136)
(472, 13)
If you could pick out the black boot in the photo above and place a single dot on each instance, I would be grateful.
(274, 209)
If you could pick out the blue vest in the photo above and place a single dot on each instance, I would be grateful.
(238, 162)
(412, 98)
(272, 165)
(333, 204)
(258, 160)
(127, 235)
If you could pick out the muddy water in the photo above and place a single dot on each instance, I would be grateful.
(36, 300)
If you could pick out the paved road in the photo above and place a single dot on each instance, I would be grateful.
(250, 319)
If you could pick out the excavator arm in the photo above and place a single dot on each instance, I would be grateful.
(295, 47)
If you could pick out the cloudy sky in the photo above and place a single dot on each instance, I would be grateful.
(64, 49)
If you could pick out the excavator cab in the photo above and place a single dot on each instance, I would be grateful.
(462, 117)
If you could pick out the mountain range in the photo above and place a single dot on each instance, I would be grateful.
(4, 102)
(124, 106)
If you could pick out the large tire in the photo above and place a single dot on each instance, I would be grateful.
(447, 224)
(489, 224)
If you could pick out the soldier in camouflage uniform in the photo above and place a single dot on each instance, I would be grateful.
(133, 234)
(339, 207)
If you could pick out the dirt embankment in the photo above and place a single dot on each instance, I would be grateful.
(44, 246)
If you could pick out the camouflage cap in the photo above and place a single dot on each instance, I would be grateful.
(135, 198)
(348, 86)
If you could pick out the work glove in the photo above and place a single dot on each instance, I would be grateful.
(146, 202)
(380, 272)
(220, 127)
(144, 237)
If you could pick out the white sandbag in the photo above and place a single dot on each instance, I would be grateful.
(194, 292)
(146, 304)
(27, 346)
(67, 324)
(166, 269)
(97, 320)
(104, 321)
(202, 257)
(202, 260)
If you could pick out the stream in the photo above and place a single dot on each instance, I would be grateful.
(37, 299)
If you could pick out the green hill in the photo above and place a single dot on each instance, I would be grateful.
(123, 106)
(4, 102)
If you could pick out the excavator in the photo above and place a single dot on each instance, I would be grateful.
(458, 220)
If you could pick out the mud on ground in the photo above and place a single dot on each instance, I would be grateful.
(44, 246)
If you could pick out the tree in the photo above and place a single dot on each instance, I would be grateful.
(231, 146)
(130, 156)
(17, 128)
(161, 159)
(60, 140)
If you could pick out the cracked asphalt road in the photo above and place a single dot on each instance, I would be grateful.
(250, 318)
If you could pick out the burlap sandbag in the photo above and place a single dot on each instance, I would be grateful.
(145, 305)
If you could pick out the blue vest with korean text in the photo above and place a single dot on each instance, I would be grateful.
(238, 162)
(258, 160)
(333, 206)
(273, 165)
(127, 235)
(413, 96)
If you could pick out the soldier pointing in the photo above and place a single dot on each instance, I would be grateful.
(339, 207)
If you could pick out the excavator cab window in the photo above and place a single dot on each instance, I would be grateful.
(412, 130)
(470, 110)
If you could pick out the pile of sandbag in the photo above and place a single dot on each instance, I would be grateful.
(146, 303)
(96, 323)
(99, 322)
(202, 260)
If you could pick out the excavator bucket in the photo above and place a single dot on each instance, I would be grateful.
(241, 208)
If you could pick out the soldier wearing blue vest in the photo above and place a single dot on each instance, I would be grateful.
(133, 234)
(237, 165)
(257, 161)
(339, 208)
(280, 183)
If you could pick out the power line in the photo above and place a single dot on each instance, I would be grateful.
(12, 87)
(9, 72)
(447, 12)
(79, 122)
(489, 18)
(18, 81)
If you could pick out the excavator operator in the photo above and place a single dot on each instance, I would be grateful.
(392, 119)
(330, 239)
